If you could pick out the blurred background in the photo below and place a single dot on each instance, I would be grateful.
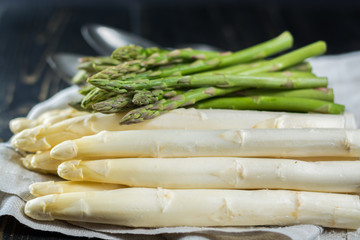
(32, 30)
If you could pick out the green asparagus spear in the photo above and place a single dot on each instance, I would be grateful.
(303, 67)
(145, 97)
(80, 77)
(180, 55)
(86, 89)
(96, 95)
(156, 59)
(188, 98)
(275, 64)
(272, 103)
(173, 92)
(234, 69)
(285, 73)
(114, 104)
(290, 59)
(93, 64)
(215, 79)
(325, 94)
(132, 52)
(260, 51)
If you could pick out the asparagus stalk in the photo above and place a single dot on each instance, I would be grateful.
(233, 69)
(116, 104)
(287, 73)
(259, 51)
(156, 59)
(50, 117)
(216, 80)
(121, 71)
(272, 103)
(96, 63)
(97, 95)
(145, 97)
(43, 161)
(192, 96)
(188, 98)
(325, 94)
(132, 52)
(146, 207)
(286, 143)
(304, 67)
(218, 173)
(289, 59)
(46, 136)
(26, 162)
(179, 55)
(39, 189)
(80, 77)
(86, 89)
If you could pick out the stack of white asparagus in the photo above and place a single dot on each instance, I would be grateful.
(194, 168)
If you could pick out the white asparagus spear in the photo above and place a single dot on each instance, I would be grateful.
(285, 143)
(44, 137)
(42, 160)
(49, 117)
(39, 189)
(26, 161)
(146, 207)
(317, 159)
(218, 173)
(298, 120)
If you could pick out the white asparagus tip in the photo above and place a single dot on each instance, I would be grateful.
(64, 151)
(18, 124)
(27, 140)
(26, 161)
(39, 188)
(70, 170)
(36, 208)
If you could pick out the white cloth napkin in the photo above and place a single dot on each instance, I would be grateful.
(344, 77)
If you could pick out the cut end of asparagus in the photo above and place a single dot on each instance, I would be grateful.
(36, 208)
(44, 188)
(64, 151)
(287, 35)
(322, 46)
(70, 170)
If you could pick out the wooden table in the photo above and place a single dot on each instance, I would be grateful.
(32, 30)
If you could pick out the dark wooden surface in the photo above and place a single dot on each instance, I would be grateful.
(31, 30)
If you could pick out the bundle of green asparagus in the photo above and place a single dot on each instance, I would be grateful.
(150, 82)
(220, 167)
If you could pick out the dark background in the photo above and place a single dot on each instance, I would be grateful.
(31, 30)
